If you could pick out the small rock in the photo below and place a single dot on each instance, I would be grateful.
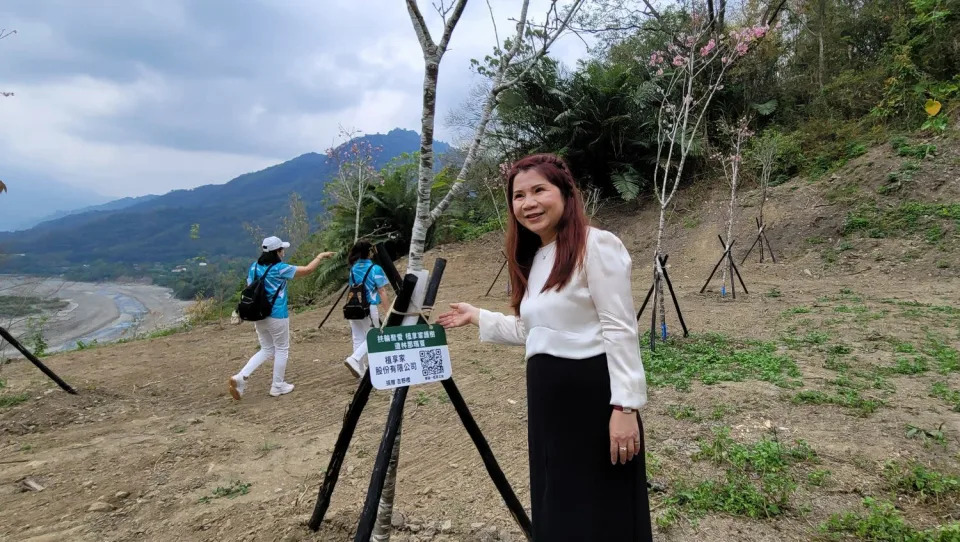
(807, 273)
(29, 484)
(350, 469)
(87, 484)
(100, 506)
(476, 526)
(398, 521)
(194, 421)
(122, 494)
(511, 401)
(414, 528)
(446, 527)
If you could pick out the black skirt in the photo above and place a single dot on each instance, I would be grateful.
(577, 495)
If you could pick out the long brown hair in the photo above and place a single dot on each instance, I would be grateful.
(522, 244)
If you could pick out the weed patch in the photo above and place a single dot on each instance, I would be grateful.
(713, 358)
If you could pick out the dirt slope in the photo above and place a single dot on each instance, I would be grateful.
(153, 433)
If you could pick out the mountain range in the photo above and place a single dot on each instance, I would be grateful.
(156, 229)
(26, 204)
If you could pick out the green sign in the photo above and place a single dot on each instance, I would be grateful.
(408, 355)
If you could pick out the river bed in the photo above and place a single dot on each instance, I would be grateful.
(101, 312)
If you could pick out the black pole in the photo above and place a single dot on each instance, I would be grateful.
(36, 361)
(353, 413)
(369, 515)
(712, 273)
(676, 304)
(747, 255)
(737, 271)
(663, 261)
(489, 461)
(653, 311)
(359, 401)
(733, 286)
(770, 246)
(495, 279)
(335, 303)
(382, 258)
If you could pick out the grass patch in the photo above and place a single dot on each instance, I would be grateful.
(682, 412)
(904, 148)
(713, 358)
(925, 436)
(818, 477)
(942, 391)
(12, 399)
(907, 366)
(846, 397)
(774, 292)
(918, 480)
(904, 219)
(796, 310)
(945, 356)
(720, 411)
(811, 338)
(422, 399)
(883, 523)
(758, 480)
(235, 489)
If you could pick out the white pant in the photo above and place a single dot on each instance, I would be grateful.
(274, 335)
(360, 328)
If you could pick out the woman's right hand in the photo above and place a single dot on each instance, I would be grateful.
(460, 314)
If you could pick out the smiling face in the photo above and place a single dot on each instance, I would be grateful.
(537, 204)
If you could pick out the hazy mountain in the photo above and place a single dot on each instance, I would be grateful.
(26, 203)
(157, 229)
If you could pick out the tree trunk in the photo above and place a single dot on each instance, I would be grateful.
(384, 525)
(660, 305)
(730, 213)
(418, 237)
(820, 66)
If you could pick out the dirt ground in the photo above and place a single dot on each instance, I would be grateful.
(140, 453)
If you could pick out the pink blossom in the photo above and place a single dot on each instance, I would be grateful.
(724, 60)
(656, 58)
(710, 46)
(660, 71)
(679, 60)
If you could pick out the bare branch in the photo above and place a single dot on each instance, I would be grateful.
(493, 20)
(532, 61)
(420, 26)
(450, 24)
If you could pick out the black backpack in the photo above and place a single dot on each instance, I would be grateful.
(255, 305)
(358, 306)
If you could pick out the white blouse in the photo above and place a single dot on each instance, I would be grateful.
(592, 315)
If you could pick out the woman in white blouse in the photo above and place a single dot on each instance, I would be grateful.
(574, 313)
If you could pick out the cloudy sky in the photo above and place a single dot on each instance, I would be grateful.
(131, 97)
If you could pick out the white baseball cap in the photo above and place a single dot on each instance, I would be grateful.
(274, 243)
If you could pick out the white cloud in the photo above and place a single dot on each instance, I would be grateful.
(151, 95)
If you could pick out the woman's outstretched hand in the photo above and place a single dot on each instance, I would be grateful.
(460, 314)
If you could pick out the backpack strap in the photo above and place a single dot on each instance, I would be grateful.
(275, 294)
(365, 275)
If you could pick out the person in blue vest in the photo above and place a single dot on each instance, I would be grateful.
(274, 331)
(375, 282)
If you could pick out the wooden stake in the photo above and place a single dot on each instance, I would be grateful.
(36, 361)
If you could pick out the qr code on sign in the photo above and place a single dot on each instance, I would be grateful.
(432, 362)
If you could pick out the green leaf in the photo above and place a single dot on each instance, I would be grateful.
(766, 108)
